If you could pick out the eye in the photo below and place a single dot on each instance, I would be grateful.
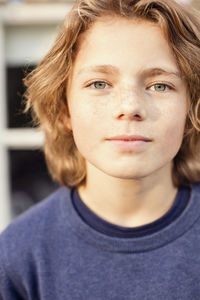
(99, 85)
(160, 87)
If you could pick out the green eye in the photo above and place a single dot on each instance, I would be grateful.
(159, 87)
(100, 85)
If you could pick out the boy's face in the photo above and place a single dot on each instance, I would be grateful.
(125, 82)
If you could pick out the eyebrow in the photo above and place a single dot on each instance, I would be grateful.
(110, 69)
(152, 72)
(104, 69)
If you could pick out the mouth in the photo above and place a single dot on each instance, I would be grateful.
(129, 138)
(130, 143)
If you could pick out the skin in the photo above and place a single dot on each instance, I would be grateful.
(127, 187)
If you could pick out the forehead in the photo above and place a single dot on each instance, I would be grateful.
(112, 26)
(116, 21)
(129, 44)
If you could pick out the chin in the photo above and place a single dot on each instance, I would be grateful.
(127, 174)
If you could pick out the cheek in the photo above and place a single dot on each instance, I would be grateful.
(88, 121)
(89, 113)
(172, 131)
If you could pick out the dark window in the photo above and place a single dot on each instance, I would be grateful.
(30, 181)
(15, 90)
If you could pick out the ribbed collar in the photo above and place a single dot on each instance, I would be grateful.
(140, 244)
(113, 230)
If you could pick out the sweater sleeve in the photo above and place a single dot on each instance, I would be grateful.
(7, 292)
(8, 285)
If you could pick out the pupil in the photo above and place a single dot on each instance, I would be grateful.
(160, 87)
(100, 85)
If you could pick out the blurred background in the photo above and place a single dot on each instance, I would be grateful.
(27, 31)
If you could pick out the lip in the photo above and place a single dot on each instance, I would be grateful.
(129, 143)
(129, 138)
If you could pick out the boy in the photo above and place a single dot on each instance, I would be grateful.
(118, 99)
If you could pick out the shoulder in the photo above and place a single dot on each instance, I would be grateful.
(23, 240)
(195, 188)
(37, 216)
(27, 230)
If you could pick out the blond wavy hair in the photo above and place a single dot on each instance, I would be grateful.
(46, 85)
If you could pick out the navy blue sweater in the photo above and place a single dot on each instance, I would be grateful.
(101, 225)
(52, 253)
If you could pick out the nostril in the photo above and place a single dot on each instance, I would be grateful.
(120, 116)
(138, 117)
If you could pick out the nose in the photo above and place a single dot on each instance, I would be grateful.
(130, 106)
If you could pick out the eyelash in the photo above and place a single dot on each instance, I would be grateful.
(168, 87)
(97, 81)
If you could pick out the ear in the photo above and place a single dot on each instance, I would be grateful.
(68, 123)
(66, 120)
(65, 114)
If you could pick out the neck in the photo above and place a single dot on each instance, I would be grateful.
(128, 202)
